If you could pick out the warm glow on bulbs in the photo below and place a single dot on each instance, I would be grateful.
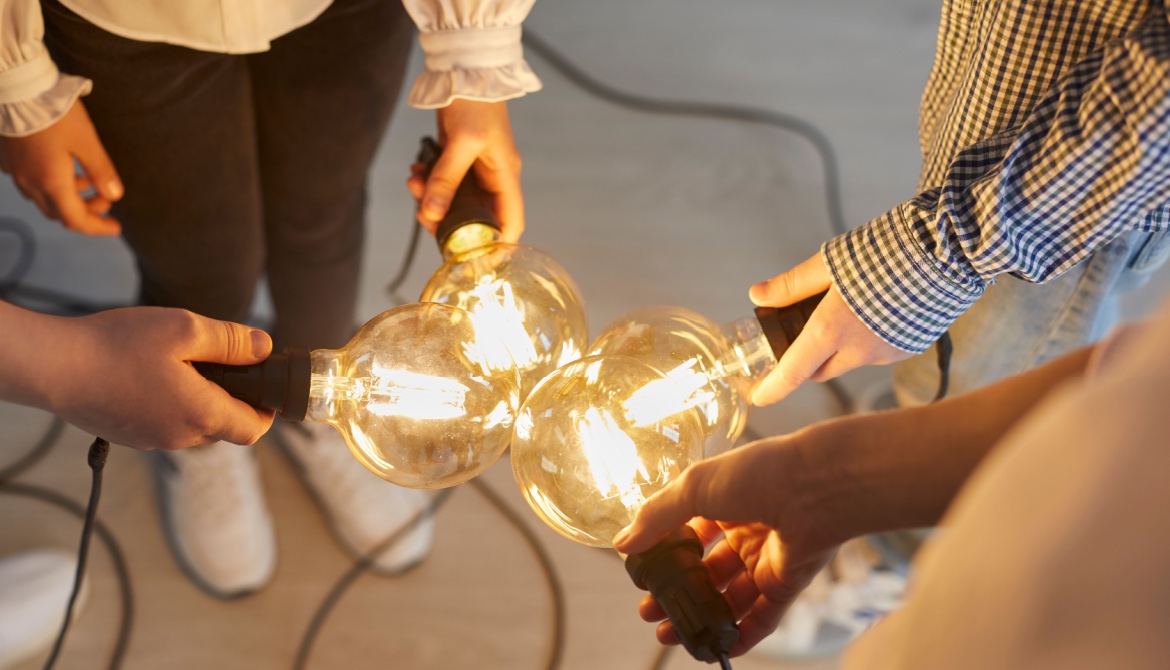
(612, 456)
(519, 294)
(582, 462)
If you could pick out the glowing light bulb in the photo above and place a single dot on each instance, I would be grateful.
(588, 450)
(709, 367)
(524, 297)
(425, 395)
(519, 292)
(583, 462)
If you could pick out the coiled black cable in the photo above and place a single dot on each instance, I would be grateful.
(91, 525)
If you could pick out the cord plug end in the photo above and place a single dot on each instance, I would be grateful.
(98, 452)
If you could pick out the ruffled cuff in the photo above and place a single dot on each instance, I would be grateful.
(477, 64)
(35, 95)
(893, 287)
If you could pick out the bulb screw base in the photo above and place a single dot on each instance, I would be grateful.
(280, 383)
(673, 572)
(782, 325)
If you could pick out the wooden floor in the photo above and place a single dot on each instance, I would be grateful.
(642, 210)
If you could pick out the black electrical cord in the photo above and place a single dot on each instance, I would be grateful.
(117, 556)
(34, 455)
(404, 267)
(945, 347)
(355, 571)
(556, 652)
(98, 452)
(769, 117)
(794, 124)
(10, 285)
(724, 662)
(24, 255)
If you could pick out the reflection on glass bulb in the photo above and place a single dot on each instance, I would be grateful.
(583, 458)
(707, 367)
(425, 395)
(519, 293)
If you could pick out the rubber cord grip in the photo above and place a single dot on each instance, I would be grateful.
(673, 572)
(471, 204)
(280, 383)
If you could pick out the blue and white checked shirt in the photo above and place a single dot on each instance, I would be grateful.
(1045, 131)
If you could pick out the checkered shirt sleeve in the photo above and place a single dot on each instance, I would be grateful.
(1089, 162)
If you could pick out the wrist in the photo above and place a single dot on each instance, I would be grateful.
(31, 348)
(848, 488)
(817, 478)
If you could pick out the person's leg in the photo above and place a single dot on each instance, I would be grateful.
(324, 95)
(179, 127)
(1018, 325)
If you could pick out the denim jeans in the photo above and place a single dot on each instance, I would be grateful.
(240, 166)
(1018, 325)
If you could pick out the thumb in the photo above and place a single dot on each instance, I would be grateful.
(807, 279)
(97, 164)
(453, 165)
(666, 510)
(228, 343)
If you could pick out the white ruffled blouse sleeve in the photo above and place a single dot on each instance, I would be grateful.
(472, 49)
(33, 93)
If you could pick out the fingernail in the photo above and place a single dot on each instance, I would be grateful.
(261, 344)
(756, 292)
(622, 536)
(114, 188)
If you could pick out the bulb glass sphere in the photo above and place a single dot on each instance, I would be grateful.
(714, 367)
(587, 450)
(521, 293)
(425, 395)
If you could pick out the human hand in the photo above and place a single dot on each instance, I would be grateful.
(476, 135)
(42, 168)
(761, 501)
(125, 374)
(834, 340)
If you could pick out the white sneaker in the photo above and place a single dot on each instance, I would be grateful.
(34, 590)
(362, 508)
(214, 517)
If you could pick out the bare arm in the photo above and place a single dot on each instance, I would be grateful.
(775, 510)
(125, 374)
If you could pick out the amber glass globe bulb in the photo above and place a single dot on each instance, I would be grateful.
(425, 395)
(587, 449)
(714, 366)
(520, 293)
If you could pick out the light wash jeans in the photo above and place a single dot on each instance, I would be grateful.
(1018, 325)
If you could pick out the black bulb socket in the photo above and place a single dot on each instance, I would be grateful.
(471, 204)
(782, 325)
(280, 383)
(673, 572)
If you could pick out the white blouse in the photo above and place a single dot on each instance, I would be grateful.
(472, 47)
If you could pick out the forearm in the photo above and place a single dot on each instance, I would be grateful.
(29, 343)
(1086, 164)
(902, 468)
